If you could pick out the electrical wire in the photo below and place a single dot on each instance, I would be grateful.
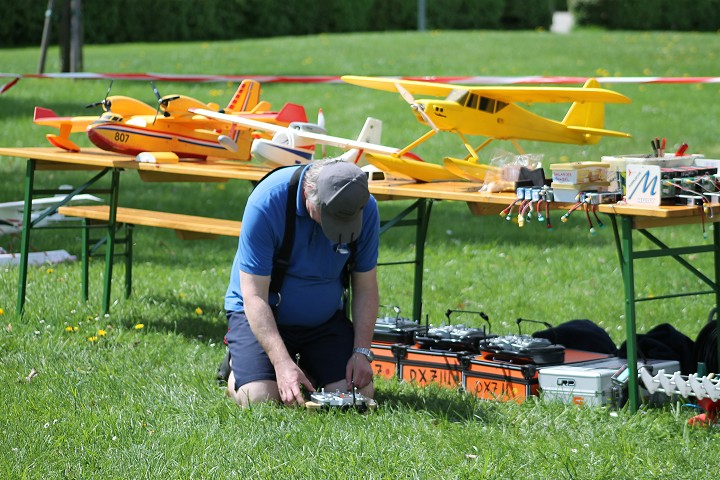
(587, 215)
(567, 214)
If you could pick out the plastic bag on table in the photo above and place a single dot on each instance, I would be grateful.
(509, 164)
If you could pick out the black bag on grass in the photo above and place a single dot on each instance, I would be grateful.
(580, 335)
(665, 342)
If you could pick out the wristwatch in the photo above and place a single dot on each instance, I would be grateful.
(366, 352)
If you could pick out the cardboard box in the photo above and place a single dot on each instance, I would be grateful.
(579, 172)
(569, 192)
(589, 383)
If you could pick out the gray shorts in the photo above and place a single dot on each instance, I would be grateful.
(324, 350)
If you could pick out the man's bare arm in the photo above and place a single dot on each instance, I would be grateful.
(255, 290)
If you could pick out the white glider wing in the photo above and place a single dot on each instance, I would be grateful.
(344, 143)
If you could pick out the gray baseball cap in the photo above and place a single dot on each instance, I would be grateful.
(342, 193)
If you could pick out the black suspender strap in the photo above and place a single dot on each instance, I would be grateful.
(282, 259)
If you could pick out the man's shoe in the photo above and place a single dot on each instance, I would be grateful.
(223, 372)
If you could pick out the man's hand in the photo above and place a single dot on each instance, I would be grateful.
(358, 371)
(290, 378)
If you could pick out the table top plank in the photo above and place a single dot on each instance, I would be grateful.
(464, 191)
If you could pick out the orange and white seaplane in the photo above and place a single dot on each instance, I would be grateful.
(493, 112)
(169, 131)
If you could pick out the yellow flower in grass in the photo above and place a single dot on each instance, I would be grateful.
(2, 312)
(139, 326)
(50, 270)
(199, 311)
(71, 329)
(92, 339)
(101, 333)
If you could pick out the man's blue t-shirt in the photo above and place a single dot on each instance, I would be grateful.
(312, 289)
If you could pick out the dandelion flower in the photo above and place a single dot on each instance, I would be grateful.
(139, 326)
(199, 311)
(101, 333)
(2, 312)
(50, 270)
(92, 339)
(68, 328)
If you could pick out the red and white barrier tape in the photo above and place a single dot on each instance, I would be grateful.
(477, 80)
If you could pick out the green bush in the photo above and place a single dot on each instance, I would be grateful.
(527, 14)
(122, 21)
(679, 15)
(23, 23)
(588, 12)
(699, 15)
(392, 15)
(465, 14)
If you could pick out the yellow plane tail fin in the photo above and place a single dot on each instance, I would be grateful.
(246, 97)
(586, 114)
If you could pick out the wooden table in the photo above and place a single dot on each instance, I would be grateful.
(630, 218)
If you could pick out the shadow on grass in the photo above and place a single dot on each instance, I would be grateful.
(182, 318)
(438, 402)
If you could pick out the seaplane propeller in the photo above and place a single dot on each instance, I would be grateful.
(408, 97)
(105, 102)
(162, 101)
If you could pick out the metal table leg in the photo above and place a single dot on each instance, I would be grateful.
(423, 216)
(25, 242)
(716, 258)
(110, 244)
(630, 325)
(422, 207)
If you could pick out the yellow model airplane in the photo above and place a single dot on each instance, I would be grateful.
(169, 131)
(493, 112)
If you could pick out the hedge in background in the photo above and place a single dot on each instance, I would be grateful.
(520, 14)
(123, 21)
(679, 15)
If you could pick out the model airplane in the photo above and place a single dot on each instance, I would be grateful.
(493, 112)
(295, 144)
(170, 131)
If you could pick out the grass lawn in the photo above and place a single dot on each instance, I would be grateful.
(132, 394)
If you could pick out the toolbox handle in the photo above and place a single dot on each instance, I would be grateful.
(482, 315)
(519, 320)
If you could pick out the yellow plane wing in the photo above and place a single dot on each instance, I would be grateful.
(509, 94)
